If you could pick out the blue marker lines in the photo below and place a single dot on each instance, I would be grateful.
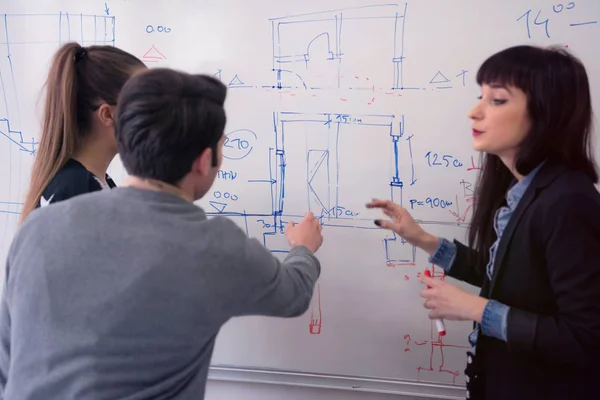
(10, 207)
(319, 176)
(439, 78)
(462, 74)
(585, 23)
(218, 206)
(543, 17)
(238, 144)
(329, 163)
(324, 172)
(23, 38)
(315, 165)
(23, 145)
(236, 81)
(318, 183)
(80, 27)
(319, 50)
(440, 81)
(413, 178)
(158, 29)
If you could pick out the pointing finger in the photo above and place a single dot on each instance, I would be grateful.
(388, 212)
(376, 203)
(385, 224)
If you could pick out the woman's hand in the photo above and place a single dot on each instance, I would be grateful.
(404, 225)
(450, 302)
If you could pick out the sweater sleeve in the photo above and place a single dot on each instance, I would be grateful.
(262, 284)
(4, 338)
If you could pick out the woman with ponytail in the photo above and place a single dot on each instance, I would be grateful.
(77, 141)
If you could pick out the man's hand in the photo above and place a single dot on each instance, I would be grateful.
(306, 233)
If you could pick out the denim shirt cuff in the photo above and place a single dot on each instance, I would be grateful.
(444, 255)
(494, 320)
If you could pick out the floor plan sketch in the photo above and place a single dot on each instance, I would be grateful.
(340, 48)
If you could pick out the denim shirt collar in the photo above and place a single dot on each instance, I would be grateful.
(516, 192)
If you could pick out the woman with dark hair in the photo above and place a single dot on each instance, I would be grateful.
(534, 239)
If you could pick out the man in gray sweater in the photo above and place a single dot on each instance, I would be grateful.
(120, 294)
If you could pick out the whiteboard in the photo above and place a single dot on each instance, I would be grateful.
(330, 103)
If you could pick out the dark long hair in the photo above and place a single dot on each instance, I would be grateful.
(79, 79)
(560, 108)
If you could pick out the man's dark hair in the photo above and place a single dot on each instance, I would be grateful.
(166, 119)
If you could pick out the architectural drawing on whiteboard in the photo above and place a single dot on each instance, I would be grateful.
(352, 48)
(10, 207)
(325, 170)
(18, 44)
(247, 162)
(315, 164)
(436, 349)
(13, 136)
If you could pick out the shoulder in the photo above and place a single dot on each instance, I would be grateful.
(70, 181)
(226, 229)
(32, 236)
(574, 179)
(573, 197)
(66, 217)
(570, 186)
(46, 229)
(227, 235)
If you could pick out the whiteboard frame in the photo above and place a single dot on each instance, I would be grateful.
(230, 373)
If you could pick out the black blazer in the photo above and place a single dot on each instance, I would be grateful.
(547, 269)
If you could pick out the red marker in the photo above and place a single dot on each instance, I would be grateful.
(439, 323)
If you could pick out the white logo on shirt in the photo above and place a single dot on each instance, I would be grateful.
(102, 185)
(44, 202)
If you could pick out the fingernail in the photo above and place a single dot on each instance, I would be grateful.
(377, 222)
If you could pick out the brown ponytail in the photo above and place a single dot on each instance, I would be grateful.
(79, 80)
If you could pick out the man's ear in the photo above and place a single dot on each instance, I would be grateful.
(203, 163)
(106, 114)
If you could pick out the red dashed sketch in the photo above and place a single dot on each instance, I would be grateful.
(462, 216)
(436, 360)
(435, 344)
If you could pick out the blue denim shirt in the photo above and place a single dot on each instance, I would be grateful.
(495, 314)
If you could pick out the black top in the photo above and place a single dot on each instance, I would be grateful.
(548, 272)
(72, 180)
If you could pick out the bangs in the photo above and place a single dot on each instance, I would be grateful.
(508, 68)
